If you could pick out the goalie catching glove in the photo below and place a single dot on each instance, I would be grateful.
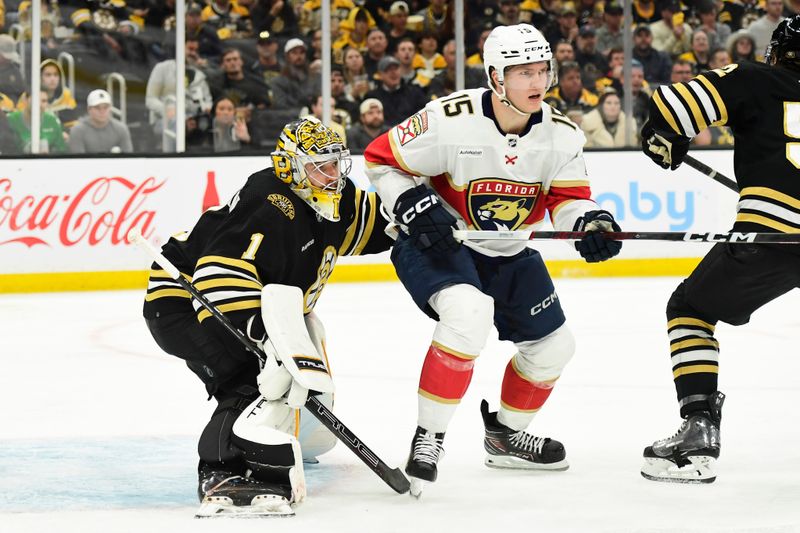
(595, 247)
(430, 225)
(666, 152)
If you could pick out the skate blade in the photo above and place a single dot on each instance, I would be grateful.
(699, 470)
(417, 486)
(264, 506)
(515, 463)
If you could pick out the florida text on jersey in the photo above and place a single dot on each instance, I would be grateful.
(761, 104)
(489, 179)
(266, 234)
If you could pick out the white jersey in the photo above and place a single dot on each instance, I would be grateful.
(488, 179)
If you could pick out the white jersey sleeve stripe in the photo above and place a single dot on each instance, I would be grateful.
(681, 112)
(701, 95)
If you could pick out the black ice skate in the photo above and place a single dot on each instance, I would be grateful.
(690, 454)
(224, 493)
(517, 449)
(426, 448)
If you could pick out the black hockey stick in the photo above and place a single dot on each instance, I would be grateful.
(732, 238)
(393, 477)
(710, 172)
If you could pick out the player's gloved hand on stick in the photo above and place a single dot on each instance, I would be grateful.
(275, 381)
(667, 153)
(430, 225)
(594, 247)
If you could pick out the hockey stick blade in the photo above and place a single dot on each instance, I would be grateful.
(392, 477)
(710, 172)
(731, 238)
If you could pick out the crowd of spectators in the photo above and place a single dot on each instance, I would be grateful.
(253, 65)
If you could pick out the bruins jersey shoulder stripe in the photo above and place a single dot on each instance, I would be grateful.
(761, 105)
(266, 234)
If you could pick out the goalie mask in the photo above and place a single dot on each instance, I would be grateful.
(784, 46)
(312, 159)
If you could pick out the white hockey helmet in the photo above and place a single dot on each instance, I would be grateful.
(519, 44)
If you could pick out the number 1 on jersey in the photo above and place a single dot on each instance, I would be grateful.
(255, 242)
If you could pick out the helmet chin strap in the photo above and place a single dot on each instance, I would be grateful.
(506, 102)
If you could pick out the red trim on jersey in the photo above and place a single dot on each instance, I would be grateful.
(455, 198)
(379, 151)
(559, 195)
(445, 375)
(519, 393)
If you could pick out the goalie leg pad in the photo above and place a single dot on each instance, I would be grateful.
(272, 454)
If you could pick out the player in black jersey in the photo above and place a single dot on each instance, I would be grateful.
(761, 105)
(284, 229)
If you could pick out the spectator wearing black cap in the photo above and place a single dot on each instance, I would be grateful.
(593, 63)
(444, 83)
(671, 34)
(609, 34)
(267, 67)
(656, 64)
(400, 100)
(295, 86)
(370, 124)
(566, 26)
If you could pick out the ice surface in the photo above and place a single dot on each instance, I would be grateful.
(98, 428)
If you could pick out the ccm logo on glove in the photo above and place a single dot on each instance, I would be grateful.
(418, 208)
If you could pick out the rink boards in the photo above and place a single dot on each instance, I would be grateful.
(63, 222)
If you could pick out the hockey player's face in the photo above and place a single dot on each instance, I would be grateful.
(526, 84)
(323, 175)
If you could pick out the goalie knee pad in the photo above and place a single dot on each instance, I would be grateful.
(465, 319)
(545, 359)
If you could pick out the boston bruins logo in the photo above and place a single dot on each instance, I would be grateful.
(498, 204)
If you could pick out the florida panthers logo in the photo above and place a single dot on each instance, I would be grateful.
(498, 204)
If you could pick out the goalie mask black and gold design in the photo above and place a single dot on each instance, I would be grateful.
(313, 160)
(784, 46)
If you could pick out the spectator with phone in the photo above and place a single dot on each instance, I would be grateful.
(672, 34)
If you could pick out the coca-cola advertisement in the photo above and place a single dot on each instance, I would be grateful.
(75, 215)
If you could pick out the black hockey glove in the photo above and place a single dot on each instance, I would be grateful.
(430, 225)
(594, 247)
(667, 153)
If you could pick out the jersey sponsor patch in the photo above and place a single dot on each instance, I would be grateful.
(284, 204)
(499, 204)
(470, 152)
(412, 128)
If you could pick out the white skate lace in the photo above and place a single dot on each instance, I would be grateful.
(527, 442)
(427, 448)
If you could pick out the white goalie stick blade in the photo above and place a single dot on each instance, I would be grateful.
(515, 463)
(262, 506)
(699, 470)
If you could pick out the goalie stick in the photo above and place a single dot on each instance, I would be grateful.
(710, 172)
(392, 477)
(732, 238)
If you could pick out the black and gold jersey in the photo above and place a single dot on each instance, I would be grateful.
(761, 105)
(266, 234)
